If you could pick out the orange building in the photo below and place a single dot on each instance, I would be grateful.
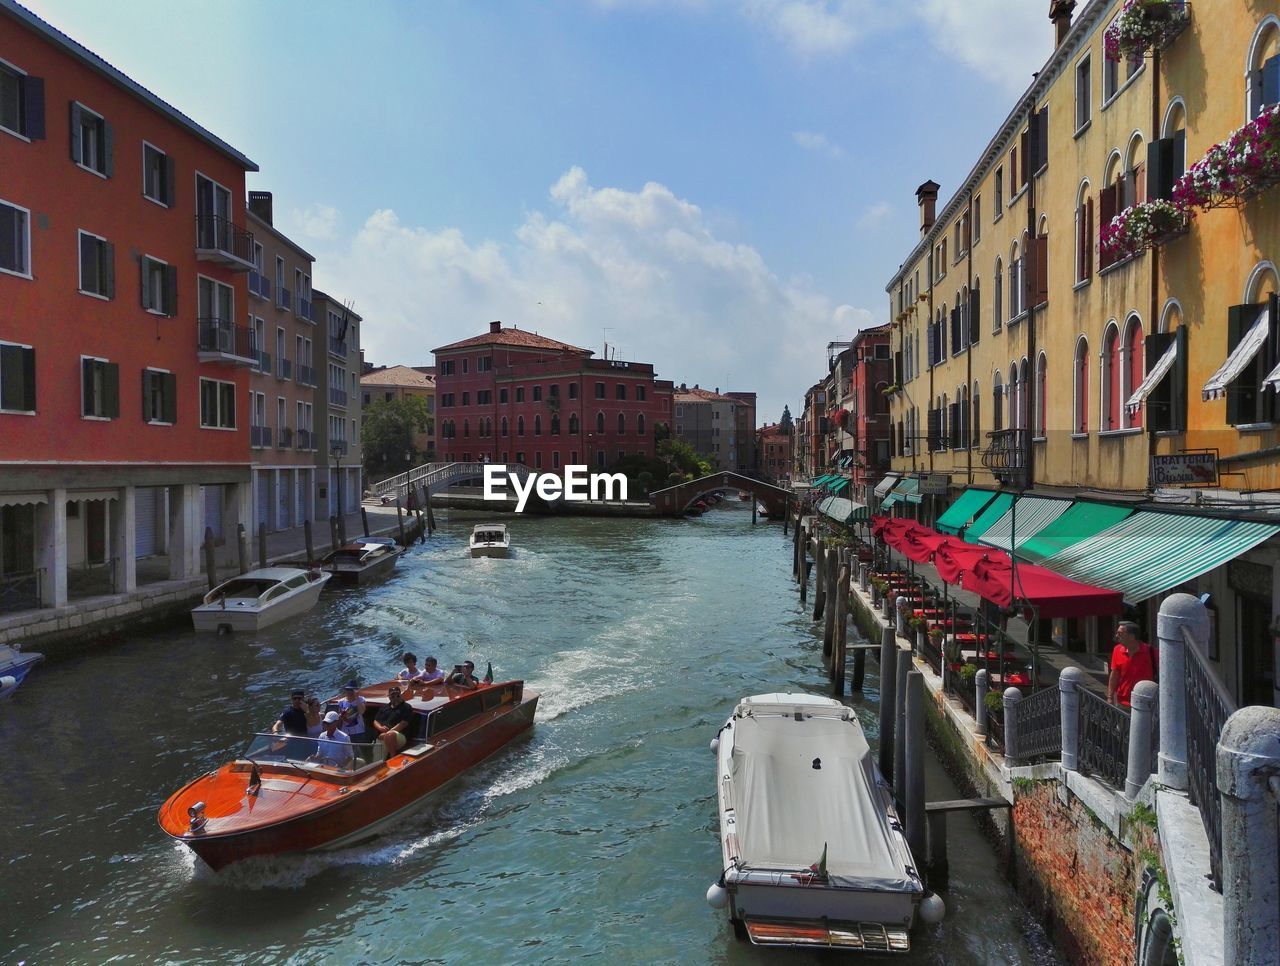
(123, 350)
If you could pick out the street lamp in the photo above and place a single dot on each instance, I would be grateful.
(336, 451)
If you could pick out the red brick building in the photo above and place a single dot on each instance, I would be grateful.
(124, 350)
(773, 446)
(515, 396)
(868, 420)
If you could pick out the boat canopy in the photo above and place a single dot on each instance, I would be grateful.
(789, 812)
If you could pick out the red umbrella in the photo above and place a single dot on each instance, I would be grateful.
(1052, 594)
(954, 558)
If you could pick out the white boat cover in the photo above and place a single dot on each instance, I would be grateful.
(787, 810)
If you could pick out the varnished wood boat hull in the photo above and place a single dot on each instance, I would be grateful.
(359, 576)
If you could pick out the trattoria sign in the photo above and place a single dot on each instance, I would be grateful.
(1185, 469)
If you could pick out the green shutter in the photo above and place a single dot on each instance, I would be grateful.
(171, 290)
(1241, 393)
(169, 404)
(76, 156)
(86, 387)
(111, 390)
(29, 379)
(108, 270)
(168, 180)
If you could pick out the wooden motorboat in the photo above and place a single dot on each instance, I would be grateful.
(812, 849)
(276, 798)
(259, 599)
(490, 540)
(362, 561)
(14, 666)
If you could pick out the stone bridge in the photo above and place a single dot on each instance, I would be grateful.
(675, 500)
(435, 477)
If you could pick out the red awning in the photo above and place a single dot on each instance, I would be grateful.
(1053, 595)
(954, 558)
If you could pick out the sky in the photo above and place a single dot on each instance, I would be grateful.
(719, 187)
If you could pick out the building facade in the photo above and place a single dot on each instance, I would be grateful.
(282, 385)
(338, 455)
(512, 396)
(773, 443)
(391, 383)
(744, 415)
(708, 422)
(124, 357)
(870, 379)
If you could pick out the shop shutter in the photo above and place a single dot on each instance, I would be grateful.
(283, 513)
(262, 484)
(146, 523)
(302, 501)
(213, 510)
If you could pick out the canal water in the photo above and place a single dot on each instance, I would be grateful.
(593, 839)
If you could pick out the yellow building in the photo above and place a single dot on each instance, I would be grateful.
(1032, 356)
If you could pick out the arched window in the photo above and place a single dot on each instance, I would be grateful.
(975, 307)
(975, 439)
(1013, 398)
(622, 424)
(555, 424)
(1264, 59)
(1111, 369)
(574, 427)
(1134, 369)
(997, 302)
(1084, 233)
(599, 422)
(1175, 130)
(1042, 398)
(1170, 316)
(1015, 281)
(640, 424)
(505, 426)
(1081, 408)
(466, 429)
(997, 402)
(1135, 173)
(537, 424)
(519, 425)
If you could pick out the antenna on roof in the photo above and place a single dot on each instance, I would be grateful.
(346, 311)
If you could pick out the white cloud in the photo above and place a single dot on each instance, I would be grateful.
(810, 27)
(818, 143)
(644, 264)
(318, 222)
(1001, 40)
(877, 214)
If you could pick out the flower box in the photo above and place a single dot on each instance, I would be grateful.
(1142, 226)
(1235, 170)
(1144, 25)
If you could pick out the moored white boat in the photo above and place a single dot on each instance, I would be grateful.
(363, 560)
(259, 599)
(14, 666)
(812, 849)
(490, 540)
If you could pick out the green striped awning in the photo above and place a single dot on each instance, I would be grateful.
(842, 510)
(839, 484)
(1080, 522)
(909, 490)
(956, 516)
(987, 518)
(1027, 517)
(1151, 552)
(814, 484)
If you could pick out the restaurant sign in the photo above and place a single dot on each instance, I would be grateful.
(935, 484)
(1185, 469)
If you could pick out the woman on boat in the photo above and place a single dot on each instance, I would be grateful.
(315, 720)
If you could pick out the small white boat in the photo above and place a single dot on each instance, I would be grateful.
(14, 666)
(362, 561)
(490, 540)
(259, 599)
(813, 851)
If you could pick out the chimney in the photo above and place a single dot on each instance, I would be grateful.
(260, 204)
(927, 199)
(495, 327)
(1060, 13)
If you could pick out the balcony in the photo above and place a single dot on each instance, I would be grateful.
(264, 361)
(306, 440)
(259, 285)
(284, 298)
(304, 309)
(306, 376)
(338, 347)
(259, 436)
(285, 439)
(284, 368)
(218, 340)
(1006, 455)
(337, 397)
(219, 240)
(339, 446)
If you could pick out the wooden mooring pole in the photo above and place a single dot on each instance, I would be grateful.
(333, 533)
(431, 517)
(842, 628)
(309, 540)
(819, 580)
(364, 518)
(400, 523)
(262, 545)
(829, 623)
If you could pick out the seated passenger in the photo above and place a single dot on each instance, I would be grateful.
(464, 676)
(315, 720)
(351, 710)
(391, 724)
(293, 719)
(333, 747)
(410, 673)
(431, 673)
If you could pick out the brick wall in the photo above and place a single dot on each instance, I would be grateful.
(1075, 876)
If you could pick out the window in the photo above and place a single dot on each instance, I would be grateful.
(15, 239)
(599, 422)
(484, 397)
(640, 394)
(599, 390)
(159, 286)
(1110, 79)
(1084, 233)
(17, 378)
(1016, 295)
(97, 266)
(997, 301)
(466, 399)
(977, 219)
(519, 425)
(1262, 81)
(1167, 156)
(100, 388)
(217, 404)
(466, 429)
(505, 427)
(159, 396)
(446, 367)
(446, 400)
(537, 394)
(573, 390)
(555, 460)
(1041, 399)
(21, 102)
(975, 438)
(997, 402)
(91, 138)
(1111, 384)
(553, 391)
(555, 424)
(283, 296)
(484, 364)
(998, 194)
(1015, 174)
(1134, 370)
(158, 177)
(1134, 187)
(574, 426)
(640, 424)
(502, 396)
(1084, 92)
(537, 424)
(519, 394)
(622, 424)
(464, 365)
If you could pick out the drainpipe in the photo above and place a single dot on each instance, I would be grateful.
(1029, 448)
(967, 422)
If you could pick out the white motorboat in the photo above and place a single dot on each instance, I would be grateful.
(490, 540)
(14, 666)
(813, 851)
(259, 599)
(363, 560)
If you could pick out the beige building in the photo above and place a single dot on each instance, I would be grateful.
(338, 455)
(389, 383)
(707, 421)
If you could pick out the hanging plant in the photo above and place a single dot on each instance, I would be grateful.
(1141, 226)
(1244, 164)
(1142, 25)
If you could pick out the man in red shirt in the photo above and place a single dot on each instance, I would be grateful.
(1132, 661)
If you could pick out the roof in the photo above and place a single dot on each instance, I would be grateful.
(263, 224)
(702, 395)
(517, 338)
(398, 376)
(119, 78)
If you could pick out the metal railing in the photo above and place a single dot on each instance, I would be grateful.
(1039, 728)
(436, 476)
(21, 591)
(337, 397)
(259, 284)
(284, 440)
(284, 298)
(306, 439)
(304, 308)
(1208, 708)
(1104, 739)
(338, 347)
(260, 436)
(1006, 455)
(264, 361)
(221, 335)
(306, 376)
(285, 370)
(217, 234)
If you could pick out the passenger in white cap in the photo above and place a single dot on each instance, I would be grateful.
(333, 747)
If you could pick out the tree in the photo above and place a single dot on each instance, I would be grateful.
(388, 434)
(680, 457)
(785, 424)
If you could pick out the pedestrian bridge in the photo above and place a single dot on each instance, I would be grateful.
(435, 477)
(675, 500)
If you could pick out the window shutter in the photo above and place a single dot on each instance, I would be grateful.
(974, 316)
(147, 376)
(76, 156)
(1271, 81)
(171, 290)
(110, 390)
(935, 428)
(1177, 380)
(1088, 239)
(169, 178)
(976, 438)
(33, 107)
(1140, 183)
(18, 378)
(1241, 393)
(144, 290)
(1042, 137)
(1024, 158)
(955, 330)
(1042, 269)
(1178, 161)
(1158, 402)
(1160, 164)
(957, 431)
(108, 149)
(109, 269)
(932, 339)
(1106, 211)
(897, 368)
(86, 387)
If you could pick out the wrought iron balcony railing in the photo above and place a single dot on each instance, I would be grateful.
(218, 340)
(1006, 453)
(221, 240)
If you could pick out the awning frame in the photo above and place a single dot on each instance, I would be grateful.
(1243, 354)
(1157, 373)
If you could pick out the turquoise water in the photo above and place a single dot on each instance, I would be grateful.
(594, 838)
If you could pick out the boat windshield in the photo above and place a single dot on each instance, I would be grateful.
(244, 587)
(319, 752)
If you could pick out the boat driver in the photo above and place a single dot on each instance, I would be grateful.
(333, 747)
(391, 724)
